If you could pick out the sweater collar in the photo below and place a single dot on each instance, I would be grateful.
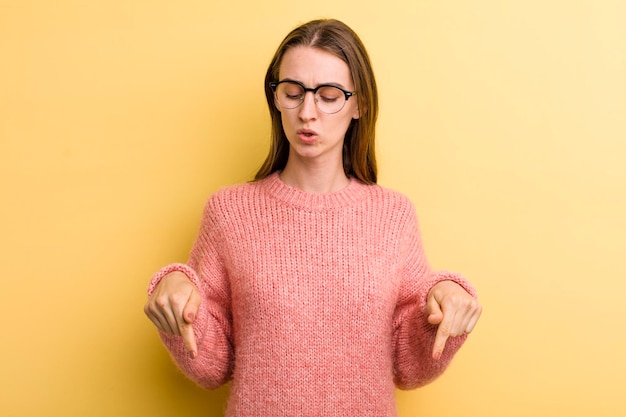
(352, 193)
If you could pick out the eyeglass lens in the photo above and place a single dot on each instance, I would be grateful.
(329, 99)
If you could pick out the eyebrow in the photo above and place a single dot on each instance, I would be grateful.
(334, 84)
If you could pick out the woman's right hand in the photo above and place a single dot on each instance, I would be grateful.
(173, 308)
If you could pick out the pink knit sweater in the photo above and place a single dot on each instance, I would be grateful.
(313, 304)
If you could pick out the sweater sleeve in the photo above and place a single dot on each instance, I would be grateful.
(414, 336)
(213, 325)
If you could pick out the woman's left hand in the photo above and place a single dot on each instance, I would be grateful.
(453, 309)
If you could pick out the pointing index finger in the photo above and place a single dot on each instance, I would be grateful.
(440, 343)
(186, 331)
(443, 333)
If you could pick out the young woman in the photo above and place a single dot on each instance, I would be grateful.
(308, 287)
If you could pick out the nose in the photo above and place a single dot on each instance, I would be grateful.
(308, 108)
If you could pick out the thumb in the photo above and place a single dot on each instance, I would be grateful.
(190, 312)
(189, 315)
(435, 315)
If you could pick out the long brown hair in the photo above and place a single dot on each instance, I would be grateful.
(335, 37)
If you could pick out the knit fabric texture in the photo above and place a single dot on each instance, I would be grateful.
(313, 304)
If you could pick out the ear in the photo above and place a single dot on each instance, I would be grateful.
(357, 113)
(277, 105)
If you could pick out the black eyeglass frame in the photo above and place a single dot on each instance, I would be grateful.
(274, 85)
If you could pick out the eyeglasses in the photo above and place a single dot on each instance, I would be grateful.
(329, 99)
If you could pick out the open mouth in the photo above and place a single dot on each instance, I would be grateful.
(306, 133)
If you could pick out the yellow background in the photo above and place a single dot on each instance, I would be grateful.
(504, 121)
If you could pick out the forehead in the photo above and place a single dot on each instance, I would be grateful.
(314, 66)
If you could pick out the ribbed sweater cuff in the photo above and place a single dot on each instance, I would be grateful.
(185, 269)
(439, 276)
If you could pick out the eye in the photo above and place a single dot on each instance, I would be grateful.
(329, 99)
(292, 91)
(329, 94)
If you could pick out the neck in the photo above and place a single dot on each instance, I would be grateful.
(314, 178)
